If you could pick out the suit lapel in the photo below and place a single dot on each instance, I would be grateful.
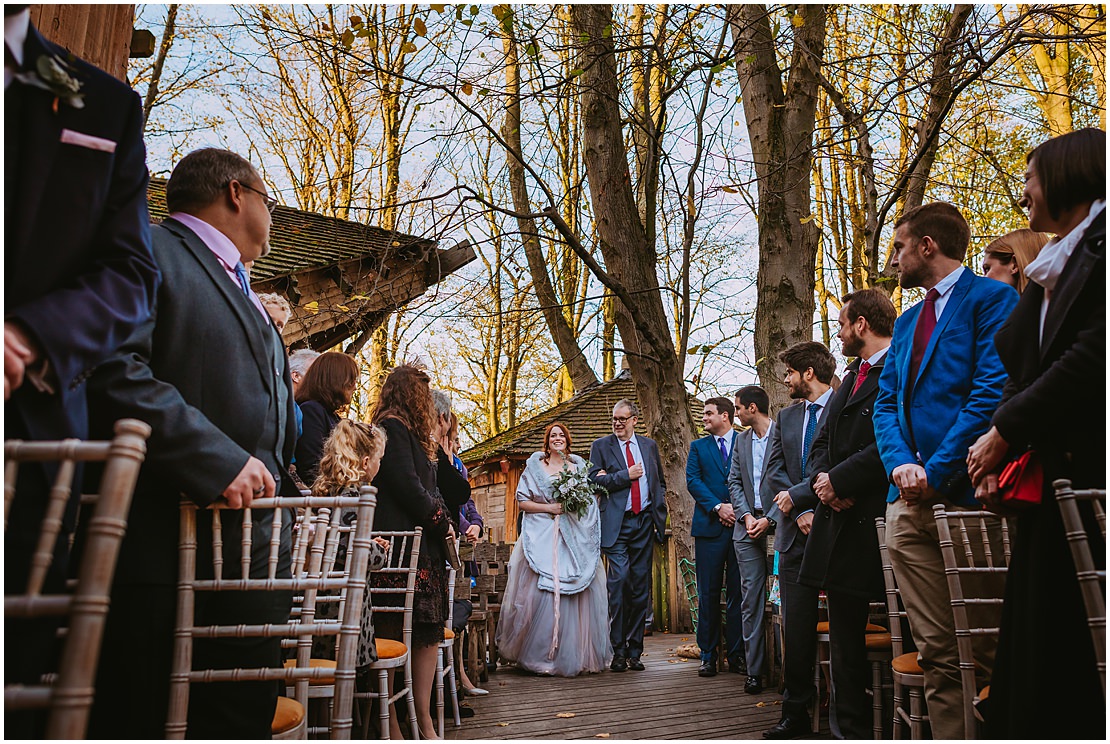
(1076, 272)
(951, 308)
(241, 306)
(868, 385)
(41, 132)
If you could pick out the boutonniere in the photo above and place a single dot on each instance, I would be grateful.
(54, 75)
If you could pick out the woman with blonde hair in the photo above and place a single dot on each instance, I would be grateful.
(1005, 258)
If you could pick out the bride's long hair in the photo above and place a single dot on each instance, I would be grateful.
(547, 441)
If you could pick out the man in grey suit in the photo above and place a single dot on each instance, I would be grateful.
(632, 512)
(749, 534)
(209, 373)
(809, 370)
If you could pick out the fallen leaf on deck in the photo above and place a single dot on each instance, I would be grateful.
(683, 639)
(502, 724)
(672, 661)
(564, 715)
(761, 705)
(601, 736)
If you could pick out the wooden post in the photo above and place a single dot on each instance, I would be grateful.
(100, 34)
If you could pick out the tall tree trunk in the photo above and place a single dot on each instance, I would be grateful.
(780, 126)
(169, 33)
(630, 264)
(581, 374)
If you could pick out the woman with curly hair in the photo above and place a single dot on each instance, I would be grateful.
(408, 498)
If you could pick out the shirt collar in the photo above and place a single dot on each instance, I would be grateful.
(1046, 268)
(874, 358)
(216, 241)
(824, 399)
(944, 286)
(15, 33)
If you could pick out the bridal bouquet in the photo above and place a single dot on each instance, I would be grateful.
(572, 488)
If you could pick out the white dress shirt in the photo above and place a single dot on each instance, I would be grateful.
(637, 458)
(811, 419)
(15, 36)
(944, 289)
(759, 454)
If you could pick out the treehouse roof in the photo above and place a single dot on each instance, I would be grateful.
(341, 278)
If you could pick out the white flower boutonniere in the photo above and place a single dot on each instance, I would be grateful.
(54, 75)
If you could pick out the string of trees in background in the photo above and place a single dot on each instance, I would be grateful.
(661, 183)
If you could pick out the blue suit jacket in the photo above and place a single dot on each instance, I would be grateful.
(707, 481)
(957, 389)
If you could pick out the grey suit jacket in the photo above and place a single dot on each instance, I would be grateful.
(741, 481)
(782, 471)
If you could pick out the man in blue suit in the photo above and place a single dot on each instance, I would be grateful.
(939, 387)
(707, 480)
(79, 274)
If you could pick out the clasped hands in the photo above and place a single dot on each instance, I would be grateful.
(822, 486)
(786, 505)
(983, 459)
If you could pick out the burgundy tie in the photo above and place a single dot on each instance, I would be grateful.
(926, 322)
(636, 506)
(861, 375)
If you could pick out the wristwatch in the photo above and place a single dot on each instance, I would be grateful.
(771, 524)
(717, 508)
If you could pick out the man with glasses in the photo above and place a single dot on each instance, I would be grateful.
(632, 512)
(210, 375)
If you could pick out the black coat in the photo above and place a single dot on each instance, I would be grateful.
(1055, 403)
(842, 552)
(317, 426)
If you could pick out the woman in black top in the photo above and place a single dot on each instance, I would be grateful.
(326, 391)
(408, 498)
(1054, 348)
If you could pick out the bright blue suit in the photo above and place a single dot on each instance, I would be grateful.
(958, 387)
(714, 556)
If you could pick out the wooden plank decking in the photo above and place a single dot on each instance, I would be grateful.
(665, 701)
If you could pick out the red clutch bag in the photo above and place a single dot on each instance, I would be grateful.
(1021, 483)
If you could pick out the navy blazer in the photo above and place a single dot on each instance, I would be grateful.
(79, 273)
(957, 389)
(707, 482)
(606, 454)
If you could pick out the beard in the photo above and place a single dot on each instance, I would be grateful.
(852, 346)
(801, 390)
(910, 278)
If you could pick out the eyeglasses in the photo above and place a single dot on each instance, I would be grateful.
(622, 419)
(269, 201)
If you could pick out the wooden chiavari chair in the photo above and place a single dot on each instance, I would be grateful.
(1092, 582)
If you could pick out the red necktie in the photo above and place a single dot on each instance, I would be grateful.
(636, 507)
(926, 322)
(861, 375)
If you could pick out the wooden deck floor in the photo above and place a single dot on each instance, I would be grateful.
(665, 701)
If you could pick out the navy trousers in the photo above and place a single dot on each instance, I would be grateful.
(628, 579)
(715, 564)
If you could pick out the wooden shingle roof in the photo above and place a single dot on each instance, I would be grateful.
(587, 416)
(304, 240)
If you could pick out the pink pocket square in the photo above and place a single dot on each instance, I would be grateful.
(70, 137)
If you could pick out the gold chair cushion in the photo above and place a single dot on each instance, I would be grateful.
(823, 627)
(448, 634)
(388, 649)
(906, 664)
(877, 641)
(287, 716)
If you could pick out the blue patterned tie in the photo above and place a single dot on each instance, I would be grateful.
(724, 454)
(244, 282)
(811, 429)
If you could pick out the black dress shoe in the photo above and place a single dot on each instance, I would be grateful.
(635, 664)
(619, 664)
(788, 729)
(707, 669)
(753, 686)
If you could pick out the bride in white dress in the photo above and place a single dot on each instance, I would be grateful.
(555, 612)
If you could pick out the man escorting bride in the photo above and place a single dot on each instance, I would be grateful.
(555, 614)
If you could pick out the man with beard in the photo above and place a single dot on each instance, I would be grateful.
(939, 387)
(809, 370)
(842, 553)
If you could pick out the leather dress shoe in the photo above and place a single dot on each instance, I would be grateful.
(707, 669)
(788, 729)
(619, 664)
(635, 664)
(753, 686)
